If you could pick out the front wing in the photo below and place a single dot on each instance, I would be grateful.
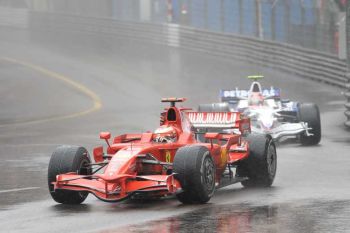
(119, 189)
(285, 130)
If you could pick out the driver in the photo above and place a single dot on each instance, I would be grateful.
(256, 99)
(165, 134)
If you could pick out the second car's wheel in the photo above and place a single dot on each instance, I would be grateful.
(194, 168)
(310, 114)
(215, 107)
(261, 165)
(63, 160)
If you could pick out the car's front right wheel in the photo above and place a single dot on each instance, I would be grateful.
(63, 160)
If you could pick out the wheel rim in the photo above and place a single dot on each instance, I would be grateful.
(83, 171)
(271, 161)
(209, 174)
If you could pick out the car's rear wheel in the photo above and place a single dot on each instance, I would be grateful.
(63, 160)
(194, 168)
(310, 114)
(261, 165)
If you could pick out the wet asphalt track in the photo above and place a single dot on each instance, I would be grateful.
(311, 192)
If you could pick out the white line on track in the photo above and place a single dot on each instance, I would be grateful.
(18, 189)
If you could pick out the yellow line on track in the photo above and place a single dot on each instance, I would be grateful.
(78, 86)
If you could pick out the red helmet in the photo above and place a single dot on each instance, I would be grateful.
(165, 134)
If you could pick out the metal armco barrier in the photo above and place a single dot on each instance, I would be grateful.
(347, 105)
(17, 18)
(303, 62)
(347, 94)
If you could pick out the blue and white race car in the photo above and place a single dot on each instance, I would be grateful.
(281, 118)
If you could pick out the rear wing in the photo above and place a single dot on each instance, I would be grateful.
(237, 94)
(219, 120)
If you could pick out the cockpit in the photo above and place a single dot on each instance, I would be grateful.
(173, 123)
(255, 97)
(169, 127)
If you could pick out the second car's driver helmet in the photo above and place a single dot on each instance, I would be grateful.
(256, 99)
(165, 134)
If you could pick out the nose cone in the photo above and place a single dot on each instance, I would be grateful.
(122, 162)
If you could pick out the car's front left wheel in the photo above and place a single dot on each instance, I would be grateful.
(195, 169)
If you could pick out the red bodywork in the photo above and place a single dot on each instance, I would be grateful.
(137, 164)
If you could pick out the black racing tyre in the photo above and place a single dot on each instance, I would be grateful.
(194, 168)
(310, 114)
(63, 160)
(215, 107)
(261, 165)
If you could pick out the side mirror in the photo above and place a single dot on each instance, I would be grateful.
(105, 135)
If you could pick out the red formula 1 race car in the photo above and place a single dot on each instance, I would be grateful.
(171, 160)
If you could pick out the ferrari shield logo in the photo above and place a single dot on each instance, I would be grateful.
(223, 157)
(167, 156)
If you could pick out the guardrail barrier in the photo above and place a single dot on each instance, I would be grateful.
(278, 34)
